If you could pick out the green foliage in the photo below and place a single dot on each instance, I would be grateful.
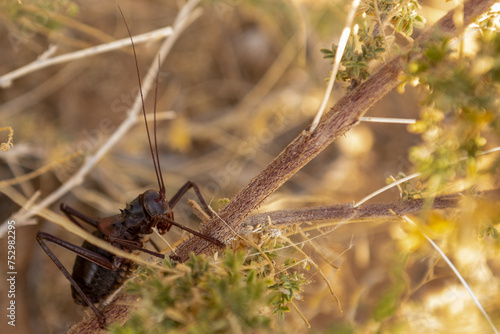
(41, 16)
(286, 287)
(460, 109)
(356, 61)
(407, 18)
(387, 305)
(369, 42)
(403, 14)
(223, 201)
(390, 300)
(489, 230)
(200, 296)
(407, 191)
(340, 328)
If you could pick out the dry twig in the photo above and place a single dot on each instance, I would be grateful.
(6, 80)
(366, 211)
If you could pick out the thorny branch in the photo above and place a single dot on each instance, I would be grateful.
(347, 211)
(340, 119)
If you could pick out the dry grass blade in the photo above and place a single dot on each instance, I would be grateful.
(293, 245)
(39, 171)
(336, 64)
(459, 276)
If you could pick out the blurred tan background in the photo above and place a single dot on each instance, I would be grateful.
(241, 82)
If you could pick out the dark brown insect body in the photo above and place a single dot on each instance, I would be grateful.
(132, 224)
(97, 272)
(95, 281)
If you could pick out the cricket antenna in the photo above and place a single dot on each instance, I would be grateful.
(160, 182)
(156, 159)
